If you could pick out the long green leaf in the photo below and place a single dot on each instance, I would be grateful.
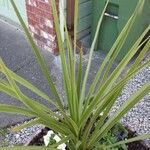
(138, 138)
(105, 101)
(90, 59)
(76, 9)
(38, 55)
(71, 66)
(141, 55)
(35, 106)
(16, 110)
(75, 96)
(25, 125)
(116, 94)
(119, 46)
(27, 148)
(134, 99)
(31, 87)
(67, 82)
(108, 85)
(79, 79)
(6, 89)
(115, 49)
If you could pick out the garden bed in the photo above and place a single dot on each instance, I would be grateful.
(139, 145)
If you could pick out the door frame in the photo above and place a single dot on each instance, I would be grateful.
(61, 18)
(70, 25)
(70, 15)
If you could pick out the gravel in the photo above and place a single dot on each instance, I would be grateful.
(22, 137)
(138, 118)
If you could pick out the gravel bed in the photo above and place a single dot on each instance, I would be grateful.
(22, 137)
(138, 118)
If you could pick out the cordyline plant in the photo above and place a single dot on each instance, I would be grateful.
(76, 123)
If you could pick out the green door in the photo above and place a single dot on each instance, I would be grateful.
(85, 15)
(6, 9)
(116, 16)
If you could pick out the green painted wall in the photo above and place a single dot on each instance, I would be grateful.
(7, 10)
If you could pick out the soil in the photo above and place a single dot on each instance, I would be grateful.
(139, 145)
(38, 139)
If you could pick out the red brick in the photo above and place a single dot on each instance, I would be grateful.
(43, 6)
(40, 38)
(49, 30)
(41, 24)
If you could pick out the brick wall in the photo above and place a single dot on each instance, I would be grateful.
(41, 25)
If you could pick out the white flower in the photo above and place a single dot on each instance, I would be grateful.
(49, 133)
(62, 146)
(47, 137)
(57, 138)
(102, 113)
(46, 140)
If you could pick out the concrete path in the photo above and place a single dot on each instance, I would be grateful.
(17, 55)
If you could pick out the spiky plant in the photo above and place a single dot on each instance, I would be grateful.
(75, 125)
